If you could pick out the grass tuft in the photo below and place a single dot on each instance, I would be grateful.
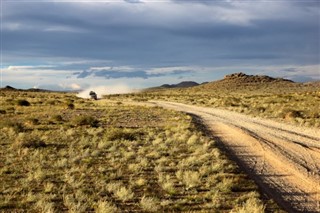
(103, 206)
(150, 204)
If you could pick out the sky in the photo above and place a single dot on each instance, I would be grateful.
(73, 45)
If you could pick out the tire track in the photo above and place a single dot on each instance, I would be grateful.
(283, 159)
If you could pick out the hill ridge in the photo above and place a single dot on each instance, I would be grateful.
(244, 78)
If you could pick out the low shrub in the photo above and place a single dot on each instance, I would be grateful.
(33, 121)
(70, 106)
(253, 205)
(23, 102)
(122, 134)
(28, 141)
(105, 206)
(289, 114)
(149, 204)
(57, 118)
(124, 194)
(85, 120)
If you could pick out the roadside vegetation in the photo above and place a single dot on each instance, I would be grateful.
(287, 102)
(60, 153)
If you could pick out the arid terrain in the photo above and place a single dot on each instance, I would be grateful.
(283, 159)
(61, 153)
(269, 126)
(247, 147)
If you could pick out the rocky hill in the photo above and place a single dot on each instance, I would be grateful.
(8, 88)
(244, 78)
(243, 83)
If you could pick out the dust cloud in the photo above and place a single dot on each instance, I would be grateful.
(105, 90)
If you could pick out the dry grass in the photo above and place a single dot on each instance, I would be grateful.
(132, 159)
(287, 102)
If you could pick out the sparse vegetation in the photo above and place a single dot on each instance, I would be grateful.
(25, 140)
(108, 157)
(256, 96)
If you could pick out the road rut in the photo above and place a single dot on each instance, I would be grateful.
(283, 159)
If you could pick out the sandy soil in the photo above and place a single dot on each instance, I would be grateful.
(283, 159)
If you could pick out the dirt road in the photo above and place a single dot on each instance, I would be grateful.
(283, 159)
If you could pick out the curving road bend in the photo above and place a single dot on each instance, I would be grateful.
(283, 159)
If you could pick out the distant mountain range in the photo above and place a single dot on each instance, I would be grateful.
(238, 82)
(235, 78)
(10, 88)
(230, 82)
(183, 84)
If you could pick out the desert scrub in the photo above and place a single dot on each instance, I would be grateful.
(32, 121)
(85, 120)
(70, 106)
(56, 118)
(23, 102)
(167, 183)
(191, 179)
(123, 134)
(25, 140)
(139, 159)
(105, 206)
(252, 204)
(150, 204)
(124, 194)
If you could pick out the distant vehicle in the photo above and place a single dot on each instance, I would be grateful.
(93, 95)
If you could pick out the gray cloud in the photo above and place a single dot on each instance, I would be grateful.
(133, 1)
(155, 34)
(114, 74)
(299, 78)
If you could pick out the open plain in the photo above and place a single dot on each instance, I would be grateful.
(61, 153)
(207, 148)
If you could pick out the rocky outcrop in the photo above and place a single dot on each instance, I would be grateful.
(244, 78)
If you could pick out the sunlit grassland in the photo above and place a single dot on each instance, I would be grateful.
(60, 153)
(299, 105)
